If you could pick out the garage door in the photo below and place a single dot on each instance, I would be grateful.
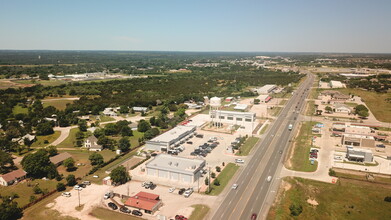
(175, 176)
(163, 174)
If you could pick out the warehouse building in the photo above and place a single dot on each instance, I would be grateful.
(266, 89)
(170, 138)
(359, 155)
(175, 168)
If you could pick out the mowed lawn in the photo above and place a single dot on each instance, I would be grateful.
(376, 102)
(69, 141)
(302, 145)
(18, 109)
(40, 142)
(199, 212)
(224, 177)
(58, 104)
(25, 191)
(247, 146)
(81, 156)
(106, 214)
(345, 200)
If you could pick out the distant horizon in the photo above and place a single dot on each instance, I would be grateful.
(184, 51)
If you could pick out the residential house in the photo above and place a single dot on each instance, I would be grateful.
(92, 144)
(12, 177)
(140, 109)
(59, 158)
(20, 140)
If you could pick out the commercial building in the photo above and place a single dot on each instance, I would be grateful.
(12, 177)
(232, 117)
(140, 109)
(174, 168)
(264, 98)
(359, 155)
(170, 138)
(357, 140)
(241, 107)
(266, 89)
(342, 108)
(148, 202)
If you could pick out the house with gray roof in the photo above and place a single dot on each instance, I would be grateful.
(92, 144)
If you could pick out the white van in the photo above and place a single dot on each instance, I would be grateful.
(239, 161)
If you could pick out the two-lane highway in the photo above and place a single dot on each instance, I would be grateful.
(253, 187)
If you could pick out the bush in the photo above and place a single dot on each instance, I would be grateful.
(332, 172)
(206, 181)
(71, 180)
(387, 199)
(32, 198)
(296, 210)
(216, 182)
(213, 175)
(37, 190)
(60, 187)
(218, 169)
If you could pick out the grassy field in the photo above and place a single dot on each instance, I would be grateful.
(247, 146)
(69, 141)
(225, 176)
(283, 102)
(25, 191)
(199, 212)
(106, 214)
(264, 129)
(41, 139)
(373, 100)
(104, 118)
(314, 93)
(275, 111)
(302, 144)
(39, 211)
(18, 109)
(310, 108)
(58, 104)
(81, 156)
(345, 200)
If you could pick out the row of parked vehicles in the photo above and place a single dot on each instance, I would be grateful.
(183, 191)
(82, 185)
(148, 185)
(205, 148)
(124, 209)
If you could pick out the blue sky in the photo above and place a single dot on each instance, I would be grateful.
(198, 25)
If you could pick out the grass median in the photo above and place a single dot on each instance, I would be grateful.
(199, 212)
(247, 146)
(224, 177)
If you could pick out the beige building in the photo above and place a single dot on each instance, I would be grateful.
(357, 140)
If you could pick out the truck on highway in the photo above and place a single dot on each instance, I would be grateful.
(290, 126)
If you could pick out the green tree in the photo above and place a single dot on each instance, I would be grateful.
(361, 107)
(124, 144)
(6, 161)
(96, 159)
(9, 209)
(181, 112)
(32, 198)
(218, 169)
(37, 190)
(99, 132)
(123, 109)
(126, 131)
(206, 181)
(143, 126)
(152, 121)
(38, 165)
(71, 180)
(119, 175)
(363, 113)
(216, 182)
(257, 101)
(110, 129)
(52, 150)
(69, 163)
(328, 109)
(44, 128)
(82, 125)
(60, 187)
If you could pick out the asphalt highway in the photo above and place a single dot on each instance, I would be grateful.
(251, 195)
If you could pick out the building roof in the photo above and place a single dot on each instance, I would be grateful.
(148, 195)
(241, 107)
(340, 105)
(141, 203)
(175, 163)
(13, 175)
(262, 97)
(140, 108)
(358, 136)
(92, 139)
(358, 150)
(252, 114)
(266, 88)
(60, 157)
(336, 84)
(173, 133)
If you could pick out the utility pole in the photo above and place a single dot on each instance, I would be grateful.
(209, 182)
(78, 194)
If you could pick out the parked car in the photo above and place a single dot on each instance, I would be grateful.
(77, 187)
(189, 142)
(95, 176)
(66, 194)
(113, 206)
(253, 216)
(86, 182)
(172, 189)
(82, 185)
(137, 212)
(181, 191)
(200, 135)
(239, 161)
(269, 178)
(180, 217)
(125, 209)
(188, 192)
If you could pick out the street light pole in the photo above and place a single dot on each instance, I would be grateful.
(209, 180)
(78, 194)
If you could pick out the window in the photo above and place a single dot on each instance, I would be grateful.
(230, 118)
(248, 119)
(239, 119)
(222, 117)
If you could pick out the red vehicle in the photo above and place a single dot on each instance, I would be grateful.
(253, 216)
(180, 217)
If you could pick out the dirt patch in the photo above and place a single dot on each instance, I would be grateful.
(312, 202)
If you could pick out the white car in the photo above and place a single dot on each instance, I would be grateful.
(172, 189)
(239, 161)
(95, 176)
(77, 187)
(235, 186)
(66, 194)
(269, 178)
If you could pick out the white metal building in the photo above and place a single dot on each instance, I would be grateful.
(232, 117)
(336, 84)
(170, 138)
(266, 89)
(358, 154)
(175, 168)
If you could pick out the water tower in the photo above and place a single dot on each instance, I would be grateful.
(215, 104)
